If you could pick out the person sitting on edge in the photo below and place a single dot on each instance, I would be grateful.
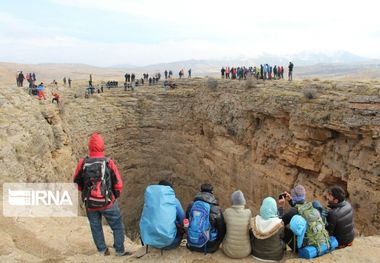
(236, 242)
(340, 216)
(161, 223)
(297, 196)
(205, 206)
(268, 232)
(316, 234)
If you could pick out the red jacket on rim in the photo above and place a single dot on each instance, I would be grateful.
(96, 150)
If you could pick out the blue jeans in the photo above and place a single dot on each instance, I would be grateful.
(113, 218)
(175, 243)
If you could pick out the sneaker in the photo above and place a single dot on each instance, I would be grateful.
(126, 253)
(183, 243)
(142, 251)
(105, 252)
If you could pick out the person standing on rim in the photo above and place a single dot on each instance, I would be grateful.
(100, 183)
(90, 81)
(290, 73)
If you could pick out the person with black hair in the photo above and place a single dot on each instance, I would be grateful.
(165, 182)
(340, 216)
(161, 223)
(217, 229)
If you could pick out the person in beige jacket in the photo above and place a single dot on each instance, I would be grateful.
(236, 243)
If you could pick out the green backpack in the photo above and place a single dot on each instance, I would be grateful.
(316, 233)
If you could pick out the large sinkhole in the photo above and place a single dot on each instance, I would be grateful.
(231, 137)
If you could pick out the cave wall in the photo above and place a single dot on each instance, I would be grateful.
(260, 140)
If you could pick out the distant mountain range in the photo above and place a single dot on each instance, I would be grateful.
(301, 59)
(212, 66)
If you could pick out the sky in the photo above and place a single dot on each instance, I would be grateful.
(144, 32)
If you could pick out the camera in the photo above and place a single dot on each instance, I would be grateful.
(282, 195)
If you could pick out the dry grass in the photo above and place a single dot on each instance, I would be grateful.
(310, 93)
(212, 84)
(250, 83)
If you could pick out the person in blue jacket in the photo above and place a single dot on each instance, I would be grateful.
(179, 219)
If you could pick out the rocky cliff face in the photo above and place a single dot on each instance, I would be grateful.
(259, 137)
(34, 144)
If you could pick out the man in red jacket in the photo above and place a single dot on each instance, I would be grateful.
(100, 183)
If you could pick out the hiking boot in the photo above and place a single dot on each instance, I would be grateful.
(126, 253)
(105, 252)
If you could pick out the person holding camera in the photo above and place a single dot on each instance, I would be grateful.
(295, 197)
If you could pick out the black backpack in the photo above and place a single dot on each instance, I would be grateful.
(97, 183)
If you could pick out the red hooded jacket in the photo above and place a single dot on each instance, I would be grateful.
(96, 150)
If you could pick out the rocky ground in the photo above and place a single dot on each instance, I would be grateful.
(69, 240)
(258, 137)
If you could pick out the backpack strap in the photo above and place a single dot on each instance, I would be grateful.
(85, 159)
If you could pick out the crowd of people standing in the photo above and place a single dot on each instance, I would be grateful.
(264, 72)
(30, 77)
(67, 80)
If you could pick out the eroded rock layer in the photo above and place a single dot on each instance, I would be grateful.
(259, 137)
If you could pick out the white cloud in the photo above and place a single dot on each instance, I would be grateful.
(323, 23)
(202, 30)
(69, 50)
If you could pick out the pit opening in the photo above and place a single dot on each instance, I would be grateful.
(183, 136)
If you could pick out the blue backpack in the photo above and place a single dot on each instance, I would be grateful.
(200, 231)
(158, 219)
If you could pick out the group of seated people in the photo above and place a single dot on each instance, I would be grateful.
(306, 227)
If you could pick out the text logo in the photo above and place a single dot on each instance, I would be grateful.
(40, 200)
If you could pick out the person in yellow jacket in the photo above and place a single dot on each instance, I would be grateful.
(236, 243)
